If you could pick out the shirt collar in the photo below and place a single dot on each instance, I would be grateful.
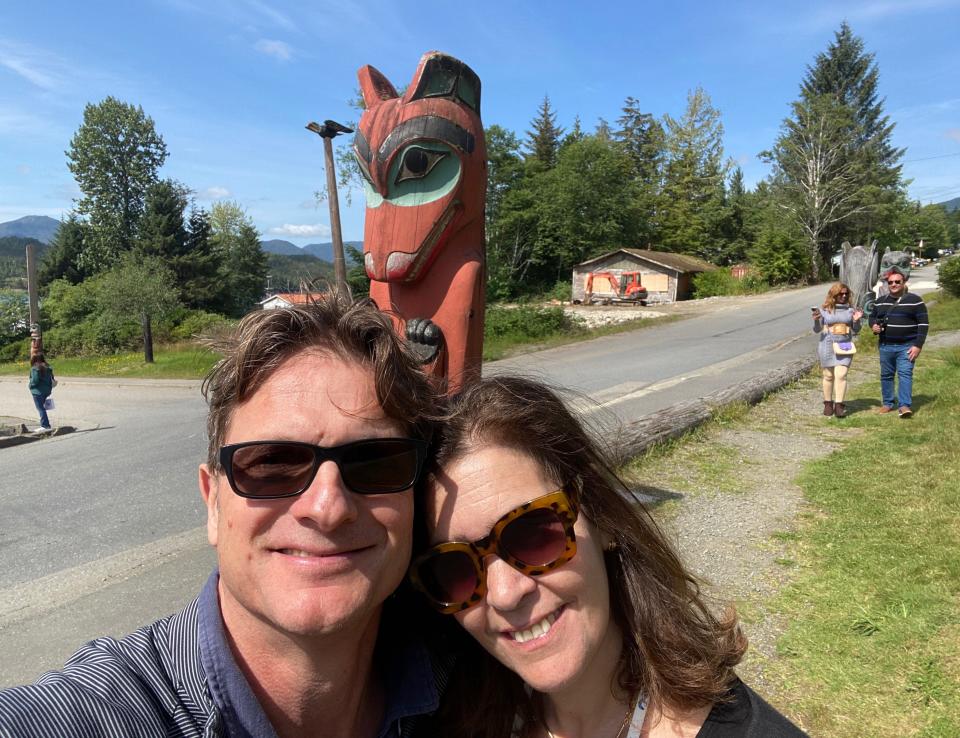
(408, 676)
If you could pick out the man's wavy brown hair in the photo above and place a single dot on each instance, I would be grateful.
(677, 651)
(354, 332)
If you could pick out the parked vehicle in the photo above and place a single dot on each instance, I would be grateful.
(608, 287)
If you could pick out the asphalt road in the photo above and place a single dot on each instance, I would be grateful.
(102, 530)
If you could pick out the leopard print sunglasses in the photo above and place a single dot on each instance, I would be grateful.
(533, 538)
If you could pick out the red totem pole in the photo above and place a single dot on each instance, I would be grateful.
(424, 163)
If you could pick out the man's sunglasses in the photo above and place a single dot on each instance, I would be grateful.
(894, 281)
(533, 538)
(272, 469)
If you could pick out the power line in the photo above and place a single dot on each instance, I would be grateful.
(928, 158)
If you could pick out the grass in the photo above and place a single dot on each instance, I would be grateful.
(870, 611)
(178, 361)
(873, 645)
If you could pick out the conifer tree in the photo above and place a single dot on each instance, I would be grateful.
(162, 230)
(543, 141)
(641, 137)
(848, 77)
(66, 258)
(691, 203)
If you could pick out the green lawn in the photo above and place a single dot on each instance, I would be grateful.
(873, 645)
(179, 361)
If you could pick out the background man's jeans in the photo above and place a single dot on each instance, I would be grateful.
(893, 360)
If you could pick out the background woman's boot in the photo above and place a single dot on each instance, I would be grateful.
(827, 408)
(840, 410)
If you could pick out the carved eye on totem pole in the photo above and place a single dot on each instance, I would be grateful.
(416, 162)
(419, 174)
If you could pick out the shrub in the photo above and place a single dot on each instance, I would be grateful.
(561, 291)
(525, 322)
(949, 279)
(196, 323)
(15, 351)
(754, 284)
(780, 256)
(714, 283)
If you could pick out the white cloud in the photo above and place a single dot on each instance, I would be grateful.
(213, 193)
(38, 67)
(277, 49)
(271, 14)
(953, 134)
(288, 229)
(23, 169)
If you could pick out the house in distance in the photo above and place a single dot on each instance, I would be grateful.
(666, 276)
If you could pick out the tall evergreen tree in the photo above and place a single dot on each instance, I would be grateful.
(816, 178)
(576, 132)
(849, 75)
(242, 265)
(738, 231)
(641, 137)
(691, 201)
(163, 232)
(543, 141)
(115, 156)
(66, 258)
(197, 270)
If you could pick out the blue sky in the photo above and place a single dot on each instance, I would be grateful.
(231, 84)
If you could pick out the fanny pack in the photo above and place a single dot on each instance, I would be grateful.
(842, 344)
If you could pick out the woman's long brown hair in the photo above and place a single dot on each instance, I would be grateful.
(677, 652)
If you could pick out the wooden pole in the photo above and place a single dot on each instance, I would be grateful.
(339, 262)
(328, 131)
(36, 343)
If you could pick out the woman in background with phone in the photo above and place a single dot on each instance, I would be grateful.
(837, 323)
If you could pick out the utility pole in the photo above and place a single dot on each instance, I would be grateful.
(327, 132)
(36, 342)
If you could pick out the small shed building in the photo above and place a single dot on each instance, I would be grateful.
(666, 276)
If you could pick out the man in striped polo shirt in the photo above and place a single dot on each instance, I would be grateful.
(318, 426)
(900, 321)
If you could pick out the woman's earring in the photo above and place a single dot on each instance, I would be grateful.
(610, 546)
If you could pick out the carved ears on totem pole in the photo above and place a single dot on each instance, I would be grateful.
(424, 163)
(858, 270)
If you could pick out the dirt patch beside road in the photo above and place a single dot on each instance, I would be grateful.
(594, 316)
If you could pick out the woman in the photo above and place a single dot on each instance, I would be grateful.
(41, 385)
(837, 323)
(540, 553)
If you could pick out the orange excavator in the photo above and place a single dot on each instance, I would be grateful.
(613, 288)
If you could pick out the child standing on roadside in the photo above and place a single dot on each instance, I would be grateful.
(41, 385)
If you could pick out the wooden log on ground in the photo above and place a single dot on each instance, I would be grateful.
(677, 419)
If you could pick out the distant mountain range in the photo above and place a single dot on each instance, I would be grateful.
(43, 229)
(320, 250)
(40, 227)
(951, 205)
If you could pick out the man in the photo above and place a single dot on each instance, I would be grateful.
(317, 426)
(899, 319)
